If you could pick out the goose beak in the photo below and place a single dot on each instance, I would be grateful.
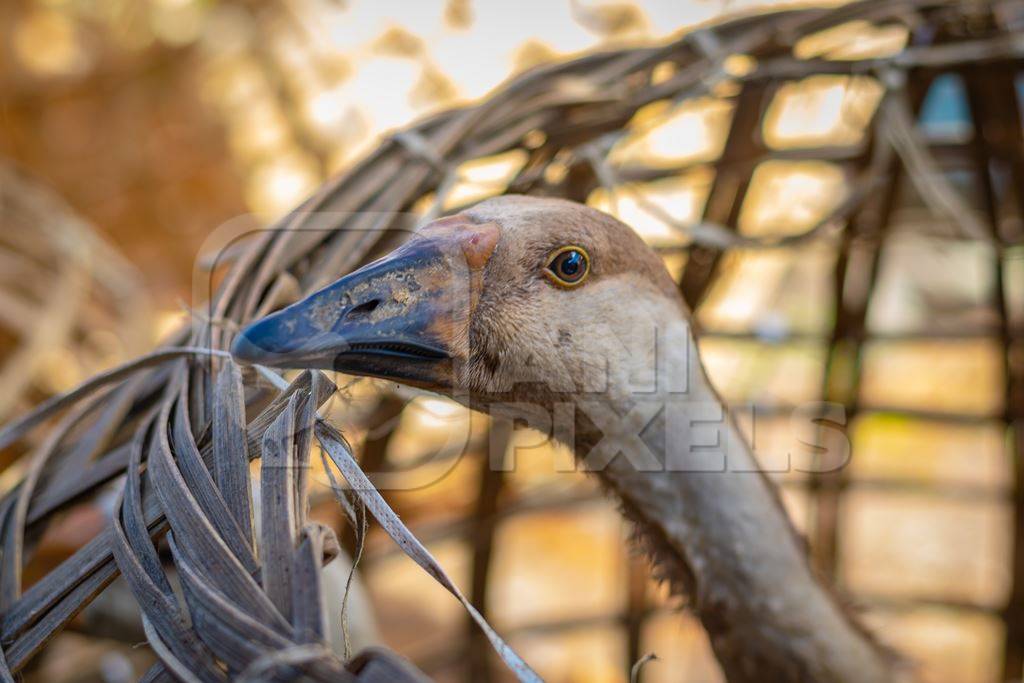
(403, 318)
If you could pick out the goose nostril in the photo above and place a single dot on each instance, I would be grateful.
(362, 309)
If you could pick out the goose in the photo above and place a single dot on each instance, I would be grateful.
(560, 316)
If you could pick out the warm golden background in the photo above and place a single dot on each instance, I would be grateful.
(155, 122)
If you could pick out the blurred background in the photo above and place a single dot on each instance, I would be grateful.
(134, 129)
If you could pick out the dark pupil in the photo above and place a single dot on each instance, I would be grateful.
(572, 263)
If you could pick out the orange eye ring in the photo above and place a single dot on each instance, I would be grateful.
(568, 266)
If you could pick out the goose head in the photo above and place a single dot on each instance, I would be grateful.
(516, 299)
(521, 303)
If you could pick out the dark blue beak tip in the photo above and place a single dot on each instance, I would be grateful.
(261, 342)
(244, 351)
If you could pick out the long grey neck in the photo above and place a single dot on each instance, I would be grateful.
(716, 530)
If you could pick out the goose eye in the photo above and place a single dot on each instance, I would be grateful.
(568, 266)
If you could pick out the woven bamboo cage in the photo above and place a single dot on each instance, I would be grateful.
(70, 304)
(930, 157)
